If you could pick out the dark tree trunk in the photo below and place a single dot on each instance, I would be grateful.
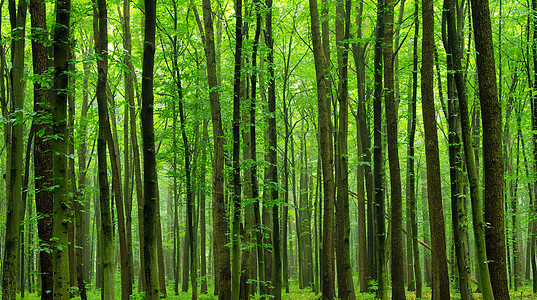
(236, 192)
(378, 176)
(15, 152)
(345, 282)
(411, 158)
(42, 145)
(440, 278)
(150, 172)
(60, 224)
(326, 150)
(492, 149)
(220, 226)
(106, 245)
(398, 284)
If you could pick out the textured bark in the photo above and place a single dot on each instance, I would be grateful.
(236, 191)
(253, 153)
(82, 205)
(220, 226)
(42, 145)
(203, 230)
(397, 262)
(106, 245)
(128, 78)
(148, 148)
(458, 205)
(411, 151)
(325, 147)
(61, 219)
(367, 254)
(378, 173)
(273, 160)
(440, 280)
(492, 149)
(344, 272)
(14, 158)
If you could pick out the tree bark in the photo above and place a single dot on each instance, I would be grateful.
(42, 145)
(60, 257)
(440, 278)
(325, 147)
(236, 191)
(148, 146)
(220, 226)
(378, 173)
(411, 158)
(107, 247)
(492, 148)
(344, 272)
(14, 158)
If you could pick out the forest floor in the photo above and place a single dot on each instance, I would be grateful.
(296, 294)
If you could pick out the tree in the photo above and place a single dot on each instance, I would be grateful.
(475, 194)
(492, 148)
(439, 260)
(107, 247)
(236, 257)
(325, 147)
(42, 145)
(150, 171)
(345, 283)
(220, 227)
(14, 157)
(378, 171)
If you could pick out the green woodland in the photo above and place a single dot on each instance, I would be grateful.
(261, 149)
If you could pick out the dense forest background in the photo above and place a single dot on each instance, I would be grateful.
(234, 150)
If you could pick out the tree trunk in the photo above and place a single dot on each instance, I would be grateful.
(411, 158)
(344, 272)
(492, 148)
(236, 191)
(325, 147)
(128, 77)
(220, 226)
(458, 207)
(107, 247)
(42, 145)
(273, 160)
(60, 258)
(14, 158)
(378, 176)
(439, 260)
(148, 146)
(398, 284)
(203, 233)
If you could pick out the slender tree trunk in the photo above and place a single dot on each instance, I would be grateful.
(203, 233)
(411, 158)
(492, 148)
(253, 152)
(129, 96)
(42, 145)
(107, 247)
(148, 146)
(398, 284)
(14, 159)
(440, 273)
(220, 226)
(453, 48)
(534, 127)
(60, 258)
(325, 147)
(273, 160)
(236, 192)
(378, 176)
(345, 283)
